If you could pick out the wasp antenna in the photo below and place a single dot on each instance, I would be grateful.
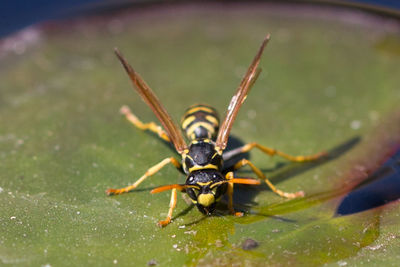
(163, 188)
(244, 181)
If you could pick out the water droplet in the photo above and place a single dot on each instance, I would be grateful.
(355, 125)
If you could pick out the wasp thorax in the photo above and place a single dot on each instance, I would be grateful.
(205, 188)
(202, 155)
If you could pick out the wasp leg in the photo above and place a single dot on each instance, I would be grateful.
(261, 175)
(229, 192)
(271, 152)
(148, 173)
(172, 205)
(151, 126)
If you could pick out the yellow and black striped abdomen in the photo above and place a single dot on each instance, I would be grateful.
(200, 121)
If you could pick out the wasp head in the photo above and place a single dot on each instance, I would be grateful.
(205, 188)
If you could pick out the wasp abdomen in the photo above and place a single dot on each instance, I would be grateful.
(200, 121)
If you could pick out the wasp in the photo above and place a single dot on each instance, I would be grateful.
(202, 160)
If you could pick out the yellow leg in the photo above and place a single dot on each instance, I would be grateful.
(260, 175)
(172, 205)
(151, 126)
(148, 173)
(229, 191)
(272, 152)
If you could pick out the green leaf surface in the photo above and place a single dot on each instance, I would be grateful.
(329, 83)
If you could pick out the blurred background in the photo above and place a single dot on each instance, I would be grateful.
(17, 14)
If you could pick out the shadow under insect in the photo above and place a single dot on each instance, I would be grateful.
(380, 188)
(244, 195)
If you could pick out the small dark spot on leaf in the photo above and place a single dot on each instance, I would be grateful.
(249, 244)
(152, 262)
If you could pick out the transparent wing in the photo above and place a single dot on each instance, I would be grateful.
(239, 97)
(152, 101)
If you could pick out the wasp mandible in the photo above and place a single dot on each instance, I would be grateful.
(202, 160)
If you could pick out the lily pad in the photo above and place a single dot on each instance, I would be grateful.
(328, 84)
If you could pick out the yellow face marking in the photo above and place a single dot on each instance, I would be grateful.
(212, 119)
(204, 184)
(206, 199)
(198, 167)
(201, 108)
(188, 121)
